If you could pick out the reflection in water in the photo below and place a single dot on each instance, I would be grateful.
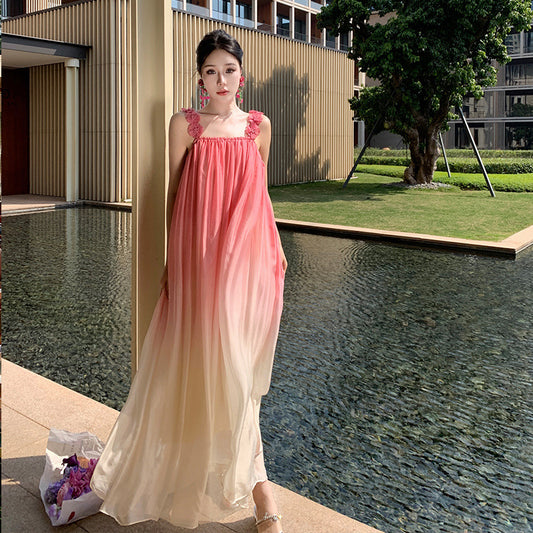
(66, 298)
(401, 392)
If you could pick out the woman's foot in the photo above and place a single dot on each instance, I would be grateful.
(266, 511)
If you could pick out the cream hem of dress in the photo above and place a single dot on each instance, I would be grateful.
(185, 526)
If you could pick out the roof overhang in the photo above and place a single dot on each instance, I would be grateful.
(19, 51)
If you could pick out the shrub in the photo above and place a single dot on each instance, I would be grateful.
(468, 165)
(453, 153)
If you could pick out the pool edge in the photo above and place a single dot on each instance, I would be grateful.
(509, 247)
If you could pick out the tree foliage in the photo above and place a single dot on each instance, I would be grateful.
(427, 55)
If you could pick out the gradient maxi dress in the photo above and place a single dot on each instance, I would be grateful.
(186, 446)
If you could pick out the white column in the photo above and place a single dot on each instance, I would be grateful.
(234, 11)
(72, 129)
(291, 22)
(254, 13)
(152, 102)
(274, 17)
(338, 42)
(184, 5)
(308, 26)
(210, 6)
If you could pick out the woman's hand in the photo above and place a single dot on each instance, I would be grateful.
(164, 281)
(284, 263)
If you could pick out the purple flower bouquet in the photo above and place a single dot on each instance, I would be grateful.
(64, 485)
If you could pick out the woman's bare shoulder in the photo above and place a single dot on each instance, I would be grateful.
(179, 127)
(178, 120)
(265, 125)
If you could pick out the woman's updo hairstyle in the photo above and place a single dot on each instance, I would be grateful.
(217, 40)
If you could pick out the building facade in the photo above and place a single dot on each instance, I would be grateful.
(69, 66)
(295, 19)
(503, 118)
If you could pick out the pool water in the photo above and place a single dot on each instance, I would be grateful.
(402, 387)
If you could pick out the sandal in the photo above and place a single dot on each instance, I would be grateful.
(274, 517)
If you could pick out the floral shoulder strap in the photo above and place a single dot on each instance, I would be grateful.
(254, 119)
(193, 118)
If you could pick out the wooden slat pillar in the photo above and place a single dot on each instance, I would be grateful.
(152, 57)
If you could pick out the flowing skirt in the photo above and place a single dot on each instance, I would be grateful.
(186, 446)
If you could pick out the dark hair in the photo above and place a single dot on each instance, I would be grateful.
(217, 40)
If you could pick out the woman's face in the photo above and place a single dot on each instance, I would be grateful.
(221, 73)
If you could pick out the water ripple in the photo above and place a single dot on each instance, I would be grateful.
(401, 389)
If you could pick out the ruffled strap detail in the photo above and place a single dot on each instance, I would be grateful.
(193, 118)
(254, 119)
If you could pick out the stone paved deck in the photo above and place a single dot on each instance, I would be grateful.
(32, 404)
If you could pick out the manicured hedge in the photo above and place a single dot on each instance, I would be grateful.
(500, 182)
(469, 153)
(469, 165)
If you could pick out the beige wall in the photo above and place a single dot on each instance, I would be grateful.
(303, 89)
(47, 130)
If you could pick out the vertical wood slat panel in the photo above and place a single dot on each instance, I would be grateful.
(105, 111)
(47, 130)
(309, 143)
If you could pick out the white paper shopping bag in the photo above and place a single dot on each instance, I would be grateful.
(61, 500)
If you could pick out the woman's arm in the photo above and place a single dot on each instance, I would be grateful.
(264, 137)
(179, 143)
(263, 140)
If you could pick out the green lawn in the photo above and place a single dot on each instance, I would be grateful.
(452, 212)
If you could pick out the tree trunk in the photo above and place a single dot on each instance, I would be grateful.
(423, 156)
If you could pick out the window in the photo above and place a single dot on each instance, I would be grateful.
(344, 41)
(483, 136)
(528, 42)
(244, 14)
(519, 135)
(519, 73)
(244, 11)
(300, 30)
(482, 108)
(512, 42)
(519, 104)
(222, 10)
(330, 39)
(283, 26)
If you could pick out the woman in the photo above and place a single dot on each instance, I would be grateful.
(186, 446)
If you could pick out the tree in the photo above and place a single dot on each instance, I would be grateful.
(427, 55)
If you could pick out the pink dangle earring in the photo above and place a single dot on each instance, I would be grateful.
(204, 95)
(239, 91)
